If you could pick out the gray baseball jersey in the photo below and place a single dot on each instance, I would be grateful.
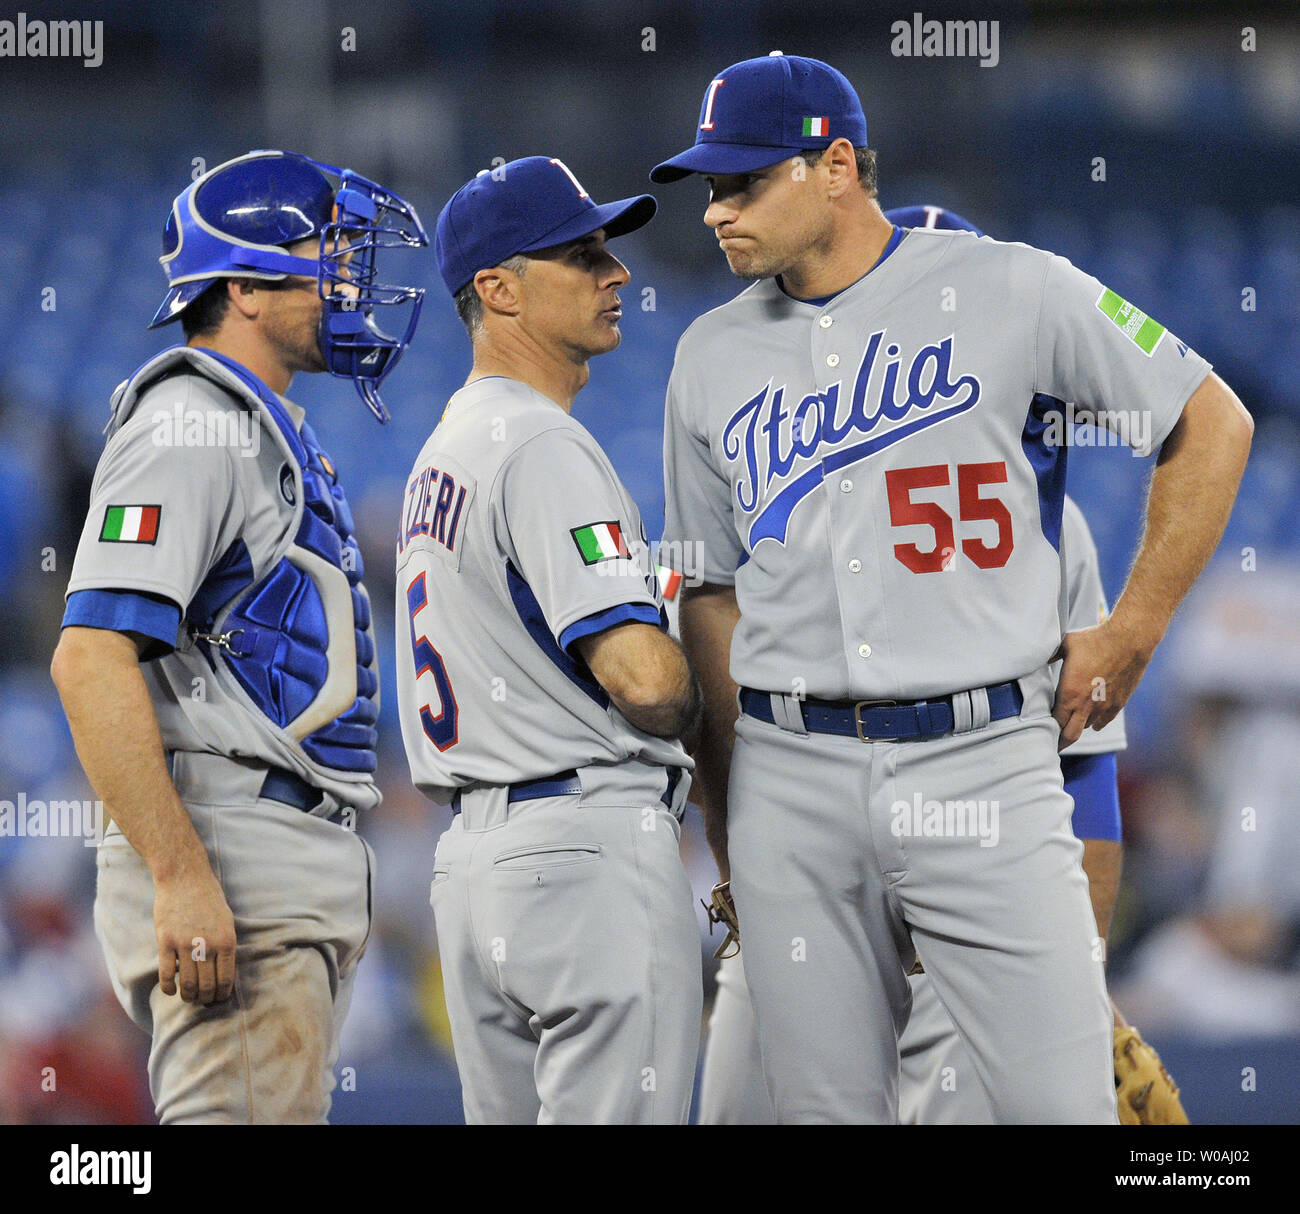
(213, 514)
(881, 476)
(517, 539)
(897, 453)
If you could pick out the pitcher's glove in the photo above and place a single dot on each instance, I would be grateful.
(723, 910)
(1143, 1090)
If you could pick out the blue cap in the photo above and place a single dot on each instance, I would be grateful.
(762, 111)
(930, 217)
(529, 204)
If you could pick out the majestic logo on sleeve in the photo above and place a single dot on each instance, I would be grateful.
(770, 440)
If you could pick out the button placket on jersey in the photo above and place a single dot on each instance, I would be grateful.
(850, 527)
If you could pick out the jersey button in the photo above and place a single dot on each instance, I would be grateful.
(864, 651)
(855, 566)
(832, 360)
(846, 485)
(825, 322)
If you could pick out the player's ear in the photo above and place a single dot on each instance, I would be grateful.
(243, 296)
(841, 166)
(500, 290)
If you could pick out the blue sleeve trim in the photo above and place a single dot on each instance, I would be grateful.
(1093, 782)
(641, 612)
(124, 611)
(533, 619)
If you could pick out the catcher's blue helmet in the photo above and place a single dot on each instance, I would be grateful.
(930, 217)
(235, 219)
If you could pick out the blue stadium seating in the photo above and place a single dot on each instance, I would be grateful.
(1188, 269)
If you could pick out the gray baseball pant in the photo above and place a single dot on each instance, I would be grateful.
(937, 1084)
(299, 888)
(839, 884)
(570, 961)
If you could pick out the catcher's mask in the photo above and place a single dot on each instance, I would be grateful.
(233, 222)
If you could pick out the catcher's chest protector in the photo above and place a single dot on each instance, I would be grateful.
(297, 637)
(284, 649)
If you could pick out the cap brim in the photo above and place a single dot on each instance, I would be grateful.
(617, 218)
(720, 159)
(176, 300)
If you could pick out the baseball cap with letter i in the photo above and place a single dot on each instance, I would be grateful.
(761, 111)
(521, 207)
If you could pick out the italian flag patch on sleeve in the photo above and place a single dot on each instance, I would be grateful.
(599, 542)
(669, 581)
(130, 524)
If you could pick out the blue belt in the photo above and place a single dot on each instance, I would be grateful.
(562, 785)
(291, 789)
(279, 784)
(884, 720)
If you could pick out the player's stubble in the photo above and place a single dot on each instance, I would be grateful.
(773, 224)
(293, 316)
(292, 323)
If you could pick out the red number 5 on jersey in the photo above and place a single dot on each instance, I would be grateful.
(904, 512)
(440, 730)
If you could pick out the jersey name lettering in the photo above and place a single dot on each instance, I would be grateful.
(439, 491)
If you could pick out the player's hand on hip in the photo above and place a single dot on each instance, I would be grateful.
(196, 938)
(1102, 667)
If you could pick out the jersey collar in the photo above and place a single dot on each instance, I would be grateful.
(820, 301)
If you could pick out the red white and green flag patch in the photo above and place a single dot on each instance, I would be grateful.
(131, 524)
(599, 542)
(816, 126)
(669, 582)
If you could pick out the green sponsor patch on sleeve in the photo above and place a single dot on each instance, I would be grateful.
(1135, 324)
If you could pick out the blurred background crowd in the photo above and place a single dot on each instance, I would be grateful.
(1194, 219)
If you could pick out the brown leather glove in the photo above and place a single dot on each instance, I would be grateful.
(1143, 1090)
(723, 910)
